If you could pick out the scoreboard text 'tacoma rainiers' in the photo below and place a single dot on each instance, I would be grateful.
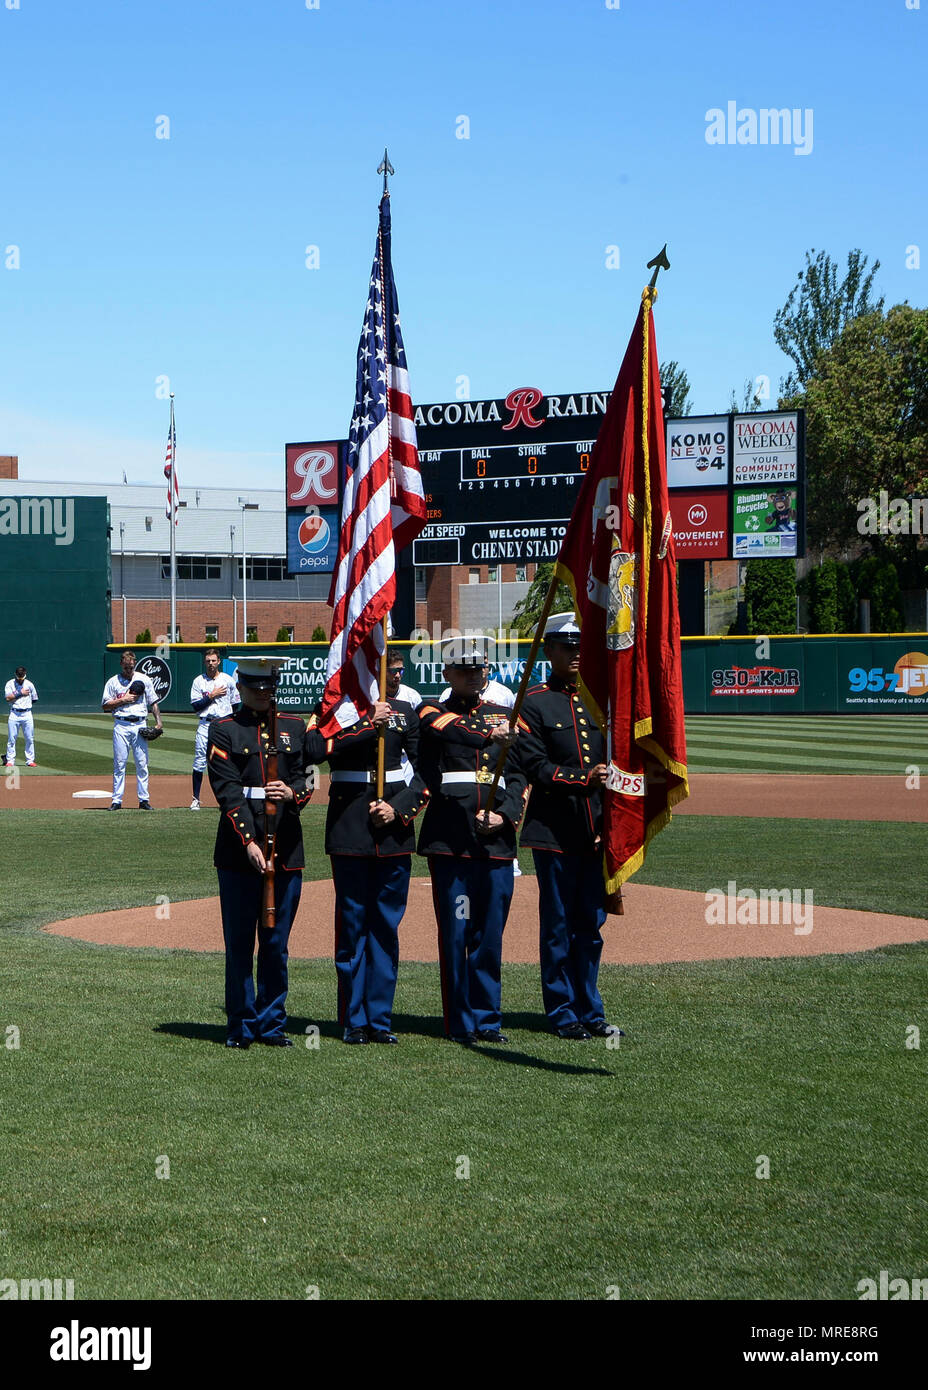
(501, 476)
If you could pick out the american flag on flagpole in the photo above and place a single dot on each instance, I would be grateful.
(383, 504)
(170, 472)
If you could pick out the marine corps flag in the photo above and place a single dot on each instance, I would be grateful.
(618, 559)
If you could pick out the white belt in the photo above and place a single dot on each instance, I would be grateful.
(396, 775)
(451, 778)
(254, 793)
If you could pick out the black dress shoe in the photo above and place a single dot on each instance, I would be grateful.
(381, 1035)
(243, 1043)
(276, 1040)
(464, 1039)
(575, 1032)
(491, 1035)
(356, 1035)
(602, 1029)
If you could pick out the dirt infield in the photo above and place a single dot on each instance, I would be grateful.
(786, 796)
(661, 924)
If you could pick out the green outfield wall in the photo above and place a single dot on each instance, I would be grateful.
(880, 674)
(55, 596)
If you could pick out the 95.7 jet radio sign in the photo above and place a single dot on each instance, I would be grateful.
(736, 485)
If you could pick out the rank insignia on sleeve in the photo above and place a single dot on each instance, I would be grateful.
(215, 752)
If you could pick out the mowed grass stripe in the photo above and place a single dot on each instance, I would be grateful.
(824, 753)
(850, 745)
(81, 748)
(913, 733)
(774, 757)
(801, 738)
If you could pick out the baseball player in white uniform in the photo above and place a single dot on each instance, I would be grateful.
(21, 696)
(211, 697)
(129, 709)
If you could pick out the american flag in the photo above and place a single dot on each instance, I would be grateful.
(170, 472)
(383, 504)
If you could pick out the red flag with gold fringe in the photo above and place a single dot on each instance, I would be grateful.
(618, 560)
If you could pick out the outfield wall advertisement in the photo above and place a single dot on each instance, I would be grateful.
(739, 675)
(55, 596)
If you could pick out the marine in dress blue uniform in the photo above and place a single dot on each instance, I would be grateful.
(371, 843)
(470, 858)
(236, 761)
(563, 755)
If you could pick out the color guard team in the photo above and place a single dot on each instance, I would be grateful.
(440, 756)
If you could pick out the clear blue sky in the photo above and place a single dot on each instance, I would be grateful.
(185, 257)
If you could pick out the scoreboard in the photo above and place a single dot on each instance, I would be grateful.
(501, 477)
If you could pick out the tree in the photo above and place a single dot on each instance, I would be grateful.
(527, 611)
(867, 427)
(846, 599)
(142, 637)
(283, 635)
(318, 634)
(818, 310)
(751, 400)
(878, 581)
(675, 388)
(770, 594)
(823, 598)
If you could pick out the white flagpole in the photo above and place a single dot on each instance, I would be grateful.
(173, 488)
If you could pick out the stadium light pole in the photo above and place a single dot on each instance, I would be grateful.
(232, 583)
(122, 575)
(246, 506)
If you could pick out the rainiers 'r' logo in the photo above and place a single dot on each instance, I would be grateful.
(318, 470)
(520, 402)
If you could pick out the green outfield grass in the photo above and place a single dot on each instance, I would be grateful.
(335, 1167)
(82, 743)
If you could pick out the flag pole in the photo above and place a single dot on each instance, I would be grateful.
(173, 489)
(385, 168)
(659, 262)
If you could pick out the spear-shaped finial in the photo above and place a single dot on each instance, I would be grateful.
(385, 168)
(660, 262)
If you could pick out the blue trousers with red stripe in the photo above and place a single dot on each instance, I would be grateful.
(263, 1014)
(370, 899)
(572, 911)
(472, 899)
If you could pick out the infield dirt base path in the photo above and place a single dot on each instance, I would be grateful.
(661, 924)
(785, 796)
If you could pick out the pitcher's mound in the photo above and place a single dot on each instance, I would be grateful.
(661, 924)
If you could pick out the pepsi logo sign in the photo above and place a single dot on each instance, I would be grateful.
(314, 534)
